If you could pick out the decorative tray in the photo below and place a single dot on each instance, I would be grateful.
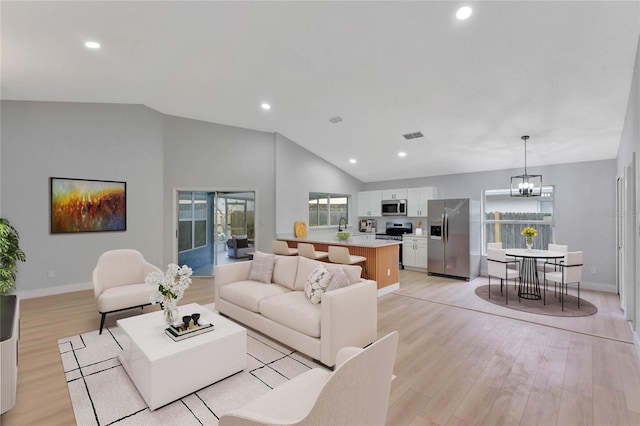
(178, 331)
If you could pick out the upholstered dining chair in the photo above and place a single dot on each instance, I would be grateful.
(309, 251)
(570, 272)
(118, 282)
(355, 393)
(498, 266)
(551, 266)
(282, 248)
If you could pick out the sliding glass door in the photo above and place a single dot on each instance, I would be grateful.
(211, 226)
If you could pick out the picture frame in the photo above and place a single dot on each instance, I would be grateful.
(87, 205)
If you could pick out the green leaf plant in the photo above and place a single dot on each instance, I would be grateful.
(10, 254)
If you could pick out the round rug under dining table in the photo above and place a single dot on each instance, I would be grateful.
(552, 308)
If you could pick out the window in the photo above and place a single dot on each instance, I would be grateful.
(327, 209)
(505, 217)
(192, 220)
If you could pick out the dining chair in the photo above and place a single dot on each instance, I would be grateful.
(498, 266)
(552, 266)
(496, 245)
(570, 272)
(282, 248)
(309, 251)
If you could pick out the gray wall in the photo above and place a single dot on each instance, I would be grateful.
(298, 172)
(584, 207)
(90, 141)
(213, 157)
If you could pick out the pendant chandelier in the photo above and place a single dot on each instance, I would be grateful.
(526, 185)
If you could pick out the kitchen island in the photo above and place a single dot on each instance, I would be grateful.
(382, 255)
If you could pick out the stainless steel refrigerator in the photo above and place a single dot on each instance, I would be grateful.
(454, 238)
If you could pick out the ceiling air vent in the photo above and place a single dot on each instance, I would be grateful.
(413, 135)
(335, 119)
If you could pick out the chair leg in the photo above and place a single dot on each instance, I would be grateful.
(104, 317)
(489, 286)
(578, 294)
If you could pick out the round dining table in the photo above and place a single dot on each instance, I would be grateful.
(529, 287)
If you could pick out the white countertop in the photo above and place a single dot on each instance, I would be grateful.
(356, 239)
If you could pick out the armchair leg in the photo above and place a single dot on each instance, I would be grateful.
(104, 317)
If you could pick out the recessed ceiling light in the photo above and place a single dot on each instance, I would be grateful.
(402, 154)
(92, 45)
(265, 106)
(463, 13)
(352, 161)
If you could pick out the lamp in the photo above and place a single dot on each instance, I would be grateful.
(526, 185)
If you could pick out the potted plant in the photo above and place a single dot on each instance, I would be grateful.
(10, 254)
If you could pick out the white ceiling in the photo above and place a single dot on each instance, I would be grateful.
(557, 71)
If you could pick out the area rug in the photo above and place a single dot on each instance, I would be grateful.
(552, 307)
(102, 393)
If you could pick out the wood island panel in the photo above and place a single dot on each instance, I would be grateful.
(381, 265)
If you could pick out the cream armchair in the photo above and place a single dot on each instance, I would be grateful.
(118, 282)
(356, 393)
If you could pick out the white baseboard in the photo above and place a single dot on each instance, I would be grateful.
(388, 289)
(50, 291)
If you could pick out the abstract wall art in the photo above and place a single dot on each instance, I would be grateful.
(84, 205)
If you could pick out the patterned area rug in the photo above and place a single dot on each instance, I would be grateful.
(552, 306)
(102, 393)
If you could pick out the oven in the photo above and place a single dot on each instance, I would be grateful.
(395, 231)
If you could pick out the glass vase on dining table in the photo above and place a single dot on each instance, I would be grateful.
(529, 242)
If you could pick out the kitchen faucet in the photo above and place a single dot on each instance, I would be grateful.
(340, 224)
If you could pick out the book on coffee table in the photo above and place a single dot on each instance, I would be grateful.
(177, 333)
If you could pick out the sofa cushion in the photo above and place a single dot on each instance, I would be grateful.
(353, 272)
(305, 268)
(316, 283)
(284, 271)
(338, 280)
(293, 310)
(248, 294)
(262, 267)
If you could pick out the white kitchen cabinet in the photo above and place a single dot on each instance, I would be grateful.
(418, 198)
(369, 204)
(414, 252)
(394, 194)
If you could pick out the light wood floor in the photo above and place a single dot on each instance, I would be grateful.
(460, 360)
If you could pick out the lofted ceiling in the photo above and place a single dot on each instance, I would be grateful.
(559, 71)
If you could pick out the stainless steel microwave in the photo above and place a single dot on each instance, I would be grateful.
(394, 208)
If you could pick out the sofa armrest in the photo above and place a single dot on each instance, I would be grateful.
(349, 317)
(230, 273)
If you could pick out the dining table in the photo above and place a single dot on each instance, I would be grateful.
(529, 283)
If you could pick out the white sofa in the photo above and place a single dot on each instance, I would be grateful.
(281, 310)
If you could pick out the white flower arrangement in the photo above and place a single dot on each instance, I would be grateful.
(170, 285)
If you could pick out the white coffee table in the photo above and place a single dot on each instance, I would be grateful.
(164, 370)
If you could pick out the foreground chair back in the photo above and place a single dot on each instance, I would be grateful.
(118, 282)
(356, 393)
(500, 267)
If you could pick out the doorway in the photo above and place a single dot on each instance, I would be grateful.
(626, 258)
(207, 221)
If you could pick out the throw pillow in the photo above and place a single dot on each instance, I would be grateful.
(262, 267)
(316, 283)
(338, 280)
